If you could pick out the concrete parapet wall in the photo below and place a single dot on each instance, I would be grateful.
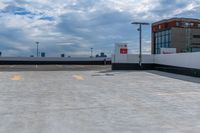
(182, 63)
(132, 58)
(186, 60)
(51, 59)
(54, 60)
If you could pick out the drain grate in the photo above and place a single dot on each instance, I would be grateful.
(96, 75)
(109, 74)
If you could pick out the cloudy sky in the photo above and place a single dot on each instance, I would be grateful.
(74, 26)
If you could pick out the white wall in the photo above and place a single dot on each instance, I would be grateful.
(132, 58)
(188, 60)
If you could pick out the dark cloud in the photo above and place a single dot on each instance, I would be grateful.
(99, 28)
(16, 10)
(48, 18)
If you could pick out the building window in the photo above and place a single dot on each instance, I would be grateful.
(167, 38)
(187, 24)
(196, 44)
(196, 36)
(159, 40)
(195, 49)
(156, 34)
(156, 39)
(162, 40)
(198, 25)
(177, 24)
(167, 31)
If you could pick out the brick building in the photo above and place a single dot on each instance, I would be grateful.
(180, 33)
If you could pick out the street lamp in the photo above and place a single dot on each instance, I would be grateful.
(140, 34)
(37, 44)
(91, 52)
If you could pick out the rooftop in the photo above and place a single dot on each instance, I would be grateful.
(96, 100)
(177, 19)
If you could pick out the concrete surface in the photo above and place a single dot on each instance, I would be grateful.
(98, 101)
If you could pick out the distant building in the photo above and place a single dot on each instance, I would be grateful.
(62, 55)
(43, 54)
(180, 33)
(101, 55)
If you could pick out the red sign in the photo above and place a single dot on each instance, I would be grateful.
(123, 51)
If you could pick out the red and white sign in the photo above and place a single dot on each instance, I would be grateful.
(123, 51)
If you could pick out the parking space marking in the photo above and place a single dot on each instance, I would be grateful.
(78, 77)
(16, 77)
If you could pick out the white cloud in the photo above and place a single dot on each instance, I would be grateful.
(85, 23)
(192, 6)
(133, 6)
(2, 5)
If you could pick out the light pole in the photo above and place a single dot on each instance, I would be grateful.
(37, 44)
(91, 52)
(140, 34)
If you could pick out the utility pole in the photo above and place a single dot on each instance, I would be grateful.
(140, 39)
(37, 45)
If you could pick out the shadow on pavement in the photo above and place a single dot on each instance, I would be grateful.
(176, 76)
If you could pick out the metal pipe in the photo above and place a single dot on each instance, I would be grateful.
(140, 56)
(37, 44)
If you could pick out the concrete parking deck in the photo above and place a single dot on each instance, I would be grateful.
(98, 101)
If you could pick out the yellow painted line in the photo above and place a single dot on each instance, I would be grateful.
(78, 77)
(16, 78)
